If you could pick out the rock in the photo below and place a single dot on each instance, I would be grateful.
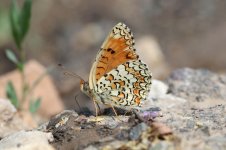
(10, 121)
(196, 126)
(182, 125)
(27, 140)
(7, 110)
(161, 128)
(158, 89)
(197, 85)
(193, 106)
(45, 89)
(73, 131)
(136, 131)
(163, 145)
(150, 114)
(31, 120)
(159, 97)
(166, 102)
(78, 131)
(217, 142)
(90, 148)
(151, 53)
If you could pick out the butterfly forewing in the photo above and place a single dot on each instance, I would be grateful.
(116, 49)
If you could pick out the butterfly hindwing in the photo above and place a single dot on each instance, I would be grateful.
(128, 84)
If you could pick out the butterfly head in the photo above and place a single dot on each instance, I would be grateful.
(84, 86)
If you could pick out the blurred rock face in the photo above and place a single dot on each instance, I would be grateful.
(45, 89)
(150, 52)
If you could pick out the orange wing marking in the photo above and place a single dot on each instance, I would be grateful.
(117, 49)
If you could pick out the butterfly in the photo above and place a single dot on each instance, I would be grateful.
(118, 77)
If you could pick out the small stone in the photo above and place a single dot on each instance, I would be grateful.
(7, 110)
(159, 97)
(90, 148)
(10, 121)
(190, 124)
(162, 145)
(137, 131)
(162, 129)
(205, 130)
(199, 124)
(158, 89)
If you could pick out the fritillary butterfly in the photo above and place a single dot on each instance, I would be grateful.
(117, 77)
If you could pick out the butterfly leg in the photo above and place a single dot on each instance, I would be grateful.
(131, 110)
(95, 105)
(127, 111)
(114, 110)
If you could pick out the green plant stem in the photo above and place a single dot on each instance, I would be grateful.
(37, 81)
(24, 83)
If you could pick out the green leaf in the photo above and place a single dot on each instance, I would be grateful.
(11, 94)
(20, 20)
(34, 105)
(14, 21)
(11, 56)
(25, 16)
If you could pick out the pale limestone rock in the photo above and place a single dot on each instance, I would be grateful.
(27, 140)
(158, 97)
(10, 121)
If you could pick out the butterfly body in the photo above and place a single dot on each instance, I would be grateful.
(117, 77)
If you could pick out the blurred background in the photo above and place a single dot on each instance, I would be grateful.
(169, 34)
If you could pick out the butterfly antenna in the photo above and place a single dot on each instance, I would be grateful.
(69, 73)
(78, 103)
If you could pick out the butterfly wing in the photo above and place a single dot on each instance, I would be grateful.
(116, 49)
(127, 85)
